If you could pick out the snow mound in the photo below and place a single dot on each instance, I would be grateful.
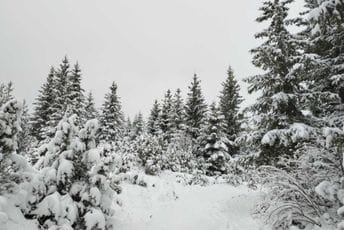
(166, 204)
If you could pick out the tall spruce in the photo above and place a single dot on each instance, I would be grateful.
(153, 124)
(165, 117)
(178, 112)
(44, 110)
(60, 104)
(195, 109)
(75, 93)
(276, 108)
(112, 116)
(229, 104)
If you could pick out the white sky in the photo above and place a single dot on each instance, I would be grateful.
(145, 46)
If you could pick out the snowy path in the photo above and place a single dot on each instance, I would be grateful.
(169, 205)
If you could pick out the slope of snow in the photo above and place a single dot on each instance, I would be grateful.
(165, 204)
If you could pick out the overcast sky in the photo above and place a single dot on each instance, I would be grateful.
(145, 46)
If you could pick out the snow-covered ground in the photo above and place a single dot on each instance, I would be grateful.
(166, 204)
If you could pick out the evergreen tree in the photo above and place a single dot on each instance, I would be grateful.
(10, 114)
(195, 109)
(323, 67)
(138, 125)
(229, 104)
(6, 91)
(60, 105)
(276, 109)
(76, 193)
(24, 134)
(153, 124)
(165, 117)
(178, 112)
(75, 94)
(112, 116)
(43, 111)
(90, 108)
(215, 150)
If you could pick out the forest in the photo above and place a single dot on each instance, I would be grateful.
(65, 163)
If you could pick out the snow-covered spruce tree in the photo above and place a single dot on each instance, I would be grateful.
(40, 120)
(6, 91)
(153, 124)
(229, 105)
(150, 152)
(324, 57)
(76, 193)
(9, 128)
(24, 135)
(195, 109)
(138, 126)
(165, 117)
(60, 104)
(75, 94)
(178, 113)
(90, 111)
(213, 140)
(111, 116)
(278, 118)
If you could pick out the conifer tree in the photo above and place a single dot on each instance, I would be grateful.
(24, 134)
(276, 109)
(229, 104)
(165, 117)
(75, 93)
(112, 116)
(195, 109)
(76, 194)
(323, 68)
(138, 125)
(153, 124)
(6, 91)
(90, 108)
(215, 150)
(43, 111)
(60, 104)
(178, 112)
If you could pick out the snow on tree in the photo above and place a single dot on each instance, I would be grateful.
(76, 192)
(153, 124)
(111, 117)
(177, 113)
(195, 109)
(24, 135)
(215, 152)
(14, 169)
(90, 108)
(9, 128)
(276, 109)
(60, 104)
(323, 56)
(229, 104)
(75, 94)
(6, 91)
(150, 153)
(165, 117)
(138, 126)
(43, 110)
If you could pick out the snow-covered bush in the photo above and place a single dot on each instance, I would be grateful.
(74, 190)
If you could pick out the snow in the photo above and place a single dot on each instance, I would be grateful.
(166, 204)
(95, 220)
